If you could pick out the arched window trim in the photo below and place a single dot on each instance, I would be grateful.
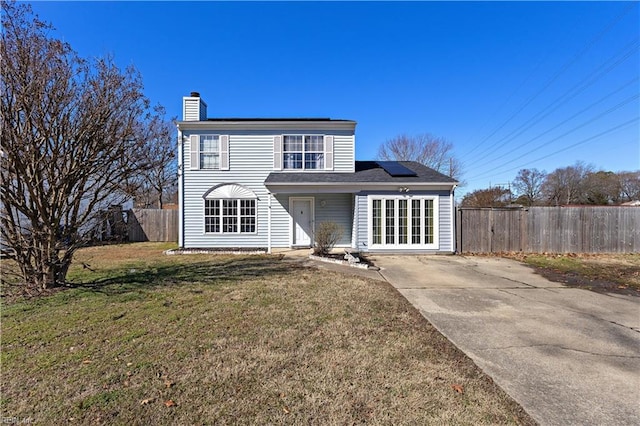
(229, 191)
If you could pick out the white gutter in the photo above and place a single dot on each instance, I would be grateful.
(399, 183)
(453, 219)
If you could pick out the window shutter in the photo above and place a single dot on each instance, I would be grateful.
(277, 152)
(328, 152)
(195, 151)
(224, 152)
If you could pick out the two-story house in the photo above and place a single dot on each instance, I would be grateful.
(267, 183)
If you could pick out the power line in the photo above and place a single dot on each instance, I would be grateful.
(564, 68)
(520, 146)
(568, 95)
(611, 130)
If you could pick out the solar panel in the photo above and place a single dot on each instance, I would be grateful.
(395, 169)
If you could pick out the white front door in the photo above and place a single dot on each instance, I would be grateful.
(302, 215)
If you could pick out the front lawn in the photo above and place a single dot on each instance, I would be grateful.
(145, 338)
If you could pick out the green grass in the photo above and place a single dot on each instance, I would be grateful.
(232, 340)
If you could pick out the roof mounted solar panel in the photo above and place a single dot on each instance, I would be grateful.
(395, 169)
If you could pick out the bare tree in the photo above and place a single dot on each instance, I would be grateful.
(158, 181)
(491, 197)
(432, 151)
(71, 144)
(528, 186)
(629, 185)
(602, 188)
(567, 185)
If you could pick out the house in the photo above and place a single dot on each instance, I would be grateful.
(268, 182)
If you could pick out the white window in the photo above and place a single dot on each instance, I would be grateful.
(229, 216)
(210, 152)
(303, 152)
(403, 222)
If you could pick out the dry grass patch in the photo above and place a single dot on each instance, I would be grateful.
(205, 339)
(616, 273)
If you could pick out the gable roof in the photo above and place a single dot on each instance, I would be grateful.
(366, 172)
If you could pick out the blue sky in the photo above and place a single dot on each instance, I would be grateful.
(511, 84)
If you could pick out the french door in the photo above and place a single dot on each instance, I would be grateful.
(403, 222)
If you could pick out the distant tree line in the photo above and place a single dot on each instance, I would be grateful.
(579, 184)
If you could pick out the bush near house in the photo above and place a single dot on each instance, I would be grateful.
(327, 235)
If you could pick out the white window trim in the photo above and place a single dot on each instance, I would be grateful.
(223, 152)
(238, 216)
(325, 152)
(436, 221)
(213, 153)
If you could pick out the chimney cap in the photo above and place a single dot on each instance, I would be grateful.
(195, 94)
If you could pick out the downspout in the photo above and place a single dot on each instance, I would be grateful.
(180, 191)
(269, 223)
(453, 220)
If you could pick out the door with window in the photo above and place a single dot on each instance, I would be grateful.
(398, 222)
(302, 217)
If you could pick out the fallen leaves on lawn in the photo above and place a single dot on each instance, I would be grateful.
(458, 388)
(169, 383)
(170, 403)
(147, 401)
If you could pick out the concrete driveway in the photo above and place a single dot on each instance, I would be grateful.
(568, 356)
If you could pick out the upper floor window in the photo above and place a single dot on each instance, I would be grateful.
(303, 152)
(210, 152)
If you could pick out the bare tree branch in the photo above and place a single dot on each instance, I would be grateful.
(432, 151)
(73, 133)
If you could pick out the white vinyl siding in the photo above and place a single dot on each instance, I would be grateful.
(194, 109)
(337, 208)
(252, 156)
(344, 153)
(250, 159)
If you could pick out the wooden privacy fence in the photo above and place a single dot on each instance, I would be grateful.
(580, 229)
(152, 225)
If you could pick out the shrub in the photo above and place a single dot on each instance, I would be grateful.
(327, 235)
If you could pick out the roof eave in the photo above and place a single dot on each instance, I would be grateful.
(353, 187)
(268, 125)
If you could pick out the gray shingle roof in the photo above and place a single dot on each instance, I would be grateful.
(366, 172)
(276, 119)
